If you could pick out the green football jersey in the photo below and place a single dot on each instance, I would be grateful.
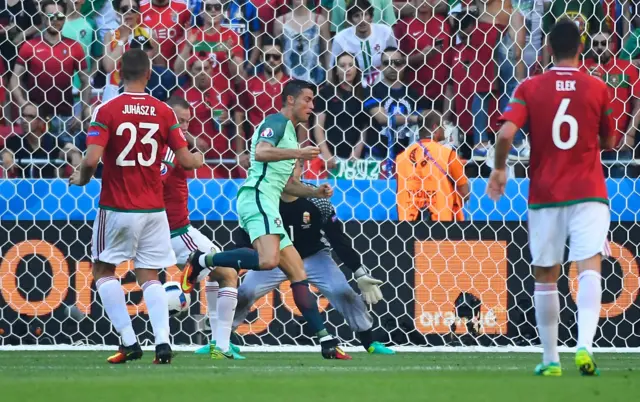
(269, 178)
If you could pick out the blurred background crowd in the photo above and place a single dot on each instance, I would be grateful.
(388, 74)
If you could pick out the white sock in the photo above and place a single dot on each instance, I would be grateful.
(588, 301)
(115, 306)
(547, 305)
(211, 291)
(156, 299)
(227, 302)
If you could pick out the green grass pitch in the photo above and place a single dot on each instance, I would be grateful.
(306, 377)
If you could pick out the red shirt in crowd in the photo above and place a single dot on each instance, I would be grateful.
(622, 79)
(134, 128)
(414, 36)
(204, 126)
(213, 44)
(261, 98)
(483, 69)
(168, 24)
(565, 161)
(49, 74)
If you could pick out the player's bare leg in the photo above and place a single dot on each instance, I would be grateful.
(227, 278)
(112, 296)
(547, 309)
(155, 298)
(293, 267)
(589, 302)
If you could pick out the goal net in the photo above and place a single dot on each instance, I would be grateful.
(456, 273)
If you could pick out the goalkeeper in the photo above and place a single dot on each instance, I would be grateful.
(313, 225)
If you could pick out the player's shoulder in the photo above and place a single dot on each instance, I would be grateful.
(274, 124)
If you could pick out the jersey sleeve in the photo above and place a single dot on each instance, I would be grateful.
(167, 164)
(176, 139)
(516, 111)
(99, 127)
(340, 242)
(25, 53)
(272, 132)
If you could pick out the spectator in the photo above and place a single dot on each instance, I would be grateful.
(341, 124)
(532, 12)
(432, 185)
(622, 78)
(19, 21)
(103, 15)
(383, 13)
(220, 44)
(119, 41)
(396, 109)
(241, 16)
(46, 66)
(78, 28)
(168, 19)
(162, 81)
(262, 94)
(211, 121)
(588, 15)
(365, 40)
(426, 39)
(36, 153)
(305, 37)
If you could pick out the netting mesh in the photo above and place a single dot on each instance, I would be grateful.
(455, 265)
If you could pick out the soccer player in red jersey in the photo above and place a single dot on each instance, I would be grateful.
(568, 113)
(221, 288)
(128, 133)
(168, 19)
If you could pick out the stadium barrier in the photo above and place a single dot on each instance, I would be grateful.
(462, 284)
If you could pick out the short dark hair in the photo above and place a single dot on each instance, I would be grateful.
(135, 64)
(294, 88)
(179, 102)
(268, 40)
(57, 3)
(359, 6)
(565, 39)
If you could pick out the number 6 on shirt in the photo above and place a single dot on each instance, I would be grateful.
(560, 119)
(121, 160)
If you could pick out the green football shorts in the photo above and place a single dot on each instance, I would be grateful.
(259, 216)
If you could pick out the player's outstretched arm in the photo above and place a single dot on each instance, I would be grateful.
(266, 152)
(88, 166)
(189, 160)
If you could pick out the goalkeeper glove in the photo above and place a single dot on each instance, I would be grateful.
(368, 286)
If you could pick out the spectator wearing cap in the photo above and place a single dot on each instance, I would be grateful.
(36, 153)
(622, 79)
(211, 122)
(221, 45)
(46, 66)
(130, 34)
(432, 185)
(365, 40)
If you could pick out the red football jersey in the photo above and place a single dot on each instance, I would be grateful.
(567, 112)
(168, 23)
(49, 74)
(176, 191)
(133, 128)
(261, 98)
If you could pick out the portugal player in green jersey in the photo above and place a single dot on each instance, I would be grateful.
(274, 151)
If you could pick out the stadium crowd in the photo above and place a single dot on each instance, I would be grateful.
(380, 67)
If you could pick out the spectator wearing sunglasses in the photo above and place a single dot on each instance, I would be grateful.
(46, 66)
(221, 45)
(396, 110)
(169, 20)
(36, 153)
(130, 33)
(624, 88)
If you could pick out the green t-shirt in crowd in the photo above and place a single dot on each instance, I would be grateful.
(92, 6)
(383, 13)
(80, 30)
